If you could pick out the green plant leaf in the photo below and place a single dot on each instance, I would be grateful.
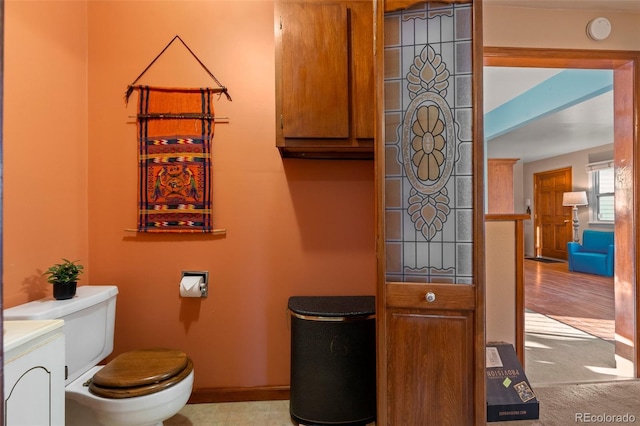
(65, 272)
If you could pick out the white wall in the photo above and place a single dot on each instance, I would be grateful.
(501, 281)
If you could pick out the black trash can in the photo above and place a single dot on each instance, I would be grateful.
(333, 360)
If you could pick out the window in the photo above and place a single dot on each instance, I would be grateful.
(602, 192)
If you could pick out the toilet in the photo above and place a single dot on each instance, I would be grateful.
(137, 388)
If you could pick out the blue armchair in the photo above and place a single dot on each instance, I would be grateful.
(594, 255)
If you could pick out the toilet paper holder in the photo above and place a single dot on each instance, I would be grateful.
(204, 286)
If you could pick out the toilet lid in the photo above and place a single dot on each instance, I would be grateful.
(141, 367)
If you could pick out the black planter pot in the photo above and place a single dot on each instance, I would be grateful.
(63, 291)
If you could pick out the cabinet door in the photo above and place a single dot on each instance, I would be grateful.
(34, 385)
(325, 88)
(363, 86)
(430, 355)
(315, 70)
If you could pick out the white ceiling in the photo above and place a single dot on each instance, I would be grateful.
(586, 125)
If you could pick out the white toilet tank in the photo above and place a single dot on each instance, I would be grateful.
(89, 322)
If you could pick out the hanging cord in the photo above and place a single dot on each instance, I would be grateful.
(132, 85)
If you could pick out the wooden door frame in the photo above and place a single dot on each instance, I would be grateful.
(626, 66)
(1, 198)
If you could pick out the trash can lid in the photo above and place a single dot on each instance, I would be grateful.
(333, 306)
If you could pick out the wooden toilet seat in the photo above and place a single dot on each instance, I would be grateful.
(141, 372)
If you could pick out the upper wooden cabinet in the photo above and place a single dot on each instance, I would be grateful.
(324, 79)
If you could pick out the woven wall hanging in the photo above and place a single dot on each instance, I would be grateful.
(175, 128)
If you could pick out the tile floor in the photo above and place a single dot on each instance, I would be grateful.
(258, 413)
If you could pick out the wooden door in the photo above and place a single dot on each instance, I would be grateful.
(429, 174)
(553, 225)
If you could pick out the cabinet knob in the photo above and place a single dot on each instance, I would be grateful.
(430, 297)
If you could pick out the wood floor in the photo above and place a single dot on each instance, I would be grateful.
(584, 301)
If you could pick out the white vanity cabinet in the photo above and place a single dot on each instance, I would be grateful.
(34, 373)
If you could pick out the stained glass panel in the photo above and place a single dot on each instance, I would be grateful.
(428, 153)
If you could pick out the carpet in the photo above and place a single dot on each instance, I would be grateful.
(558, 353)
(600, 403)
(574, 377)
(602, 328)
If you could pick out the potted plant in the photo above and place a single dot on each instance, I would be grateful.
(64, 277)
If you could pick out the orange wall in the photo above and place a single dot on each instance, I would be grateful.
(294, 227)
(45, 143)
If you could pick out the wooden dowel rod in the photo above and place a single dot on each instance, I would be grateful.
(219, 231)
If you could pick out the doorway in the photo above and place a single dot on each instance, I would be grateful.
(624, 66)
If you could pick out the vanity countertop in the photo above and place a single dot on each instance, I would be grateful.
(19, 332)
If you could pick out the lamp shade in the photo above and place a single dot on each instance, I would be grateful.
(578, 198)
